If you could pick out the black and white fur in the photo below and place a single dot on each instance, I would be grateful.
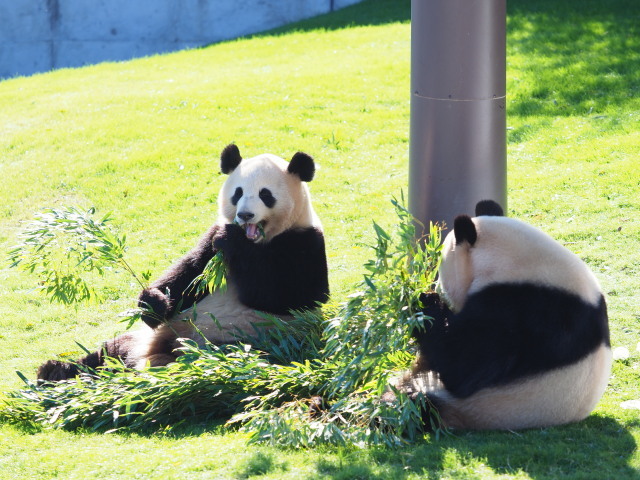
(519, 336)
(274, 252)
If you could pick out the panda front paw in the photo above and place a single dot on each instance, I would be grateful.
(430, 299)
(155, 306)
(434, 309)
(231, 234)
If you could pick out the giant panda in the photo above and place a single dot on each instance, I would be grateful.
(518, 335)
(273, 248)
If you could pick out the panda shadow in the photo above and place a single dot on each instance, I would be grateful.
(597, 448)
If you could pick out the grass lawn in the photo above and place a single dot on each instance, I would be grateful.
(142, 139)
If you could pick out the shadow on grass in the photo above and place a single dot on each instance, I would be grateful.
(577, 60)
(584, 57)
(594, 449)
(587, 55)
(597, 448)
(369, 12)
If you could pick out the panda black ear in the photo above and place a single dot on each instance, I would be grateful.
(489, 208)
(302, 165)
(230, 158)
(464, 230)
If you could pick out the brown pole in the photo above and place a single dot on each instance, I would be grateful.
(458, 117)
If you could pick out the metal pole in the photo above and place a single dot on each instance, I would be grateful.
(458, 117)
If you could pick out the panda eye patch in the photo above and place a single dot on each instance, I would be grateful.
(267, 197)
(237, 195)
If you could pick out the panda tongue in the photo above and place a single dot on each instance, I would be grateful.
(252, 231)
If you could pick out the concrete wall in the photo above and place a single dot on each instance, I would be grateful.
(40, 35)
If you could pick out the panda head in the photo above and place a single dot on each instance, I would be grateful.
(266, 195)
(491, 249)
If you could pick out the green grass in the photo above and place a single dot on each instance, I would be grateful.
(142, 139)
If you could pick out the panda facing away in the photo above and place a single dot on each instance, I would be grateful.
(519, 336)
(274, 253)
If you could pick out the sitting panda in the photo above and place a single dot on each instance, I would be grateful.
(274, 253)
(519, 337)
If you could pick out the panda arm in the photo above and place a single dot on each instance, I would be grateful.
(287, 273)
(161, 299)
(429, 335)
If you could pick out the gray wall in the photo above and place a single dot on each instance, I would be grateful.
(40, 35)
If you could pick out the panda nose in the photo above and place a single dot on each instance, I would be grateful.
(245, 216)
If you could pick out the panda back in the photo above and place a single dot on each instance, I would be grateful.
(509, 251)
(508, 332)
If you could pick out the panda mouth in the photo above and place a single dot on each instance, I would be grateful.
(254, 231)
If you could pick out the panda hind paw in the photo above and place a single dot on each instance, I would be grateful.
(55, 371)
